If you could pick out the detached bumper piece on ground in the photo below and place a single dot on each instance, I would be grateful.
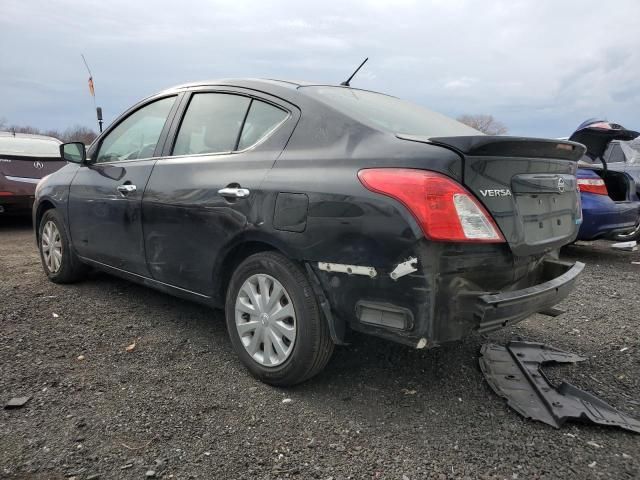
(514, 373)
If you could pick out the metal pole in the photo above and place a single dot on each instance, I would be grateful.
(93, 94)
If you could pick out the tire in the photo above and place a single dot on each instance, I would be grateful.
(67, 268)
(311, 348)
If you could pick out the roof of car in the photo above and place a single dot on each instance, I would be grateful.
(247, 82)
(277, 87)
(29, 135)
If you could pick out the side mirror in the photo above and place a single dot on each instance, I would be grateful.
(74, 152)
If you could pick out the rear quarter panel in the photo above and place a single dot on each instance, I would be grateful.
(346, 223)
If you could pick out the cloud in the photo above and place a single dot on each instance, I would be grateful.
(539, 66)
(462, 82)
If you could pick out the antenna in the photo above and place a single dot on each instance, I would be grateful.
(346, 83)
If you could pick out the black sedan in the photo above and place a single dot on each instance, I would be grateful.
(308, 212)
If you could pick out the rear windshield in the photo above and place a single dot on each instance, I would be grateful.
(25, 146)
(388, 113)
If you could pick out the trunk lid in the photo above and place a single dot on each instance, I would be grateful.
(596, 139)
(528, 185)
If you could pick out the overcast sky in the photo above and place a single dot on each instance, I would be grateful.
(541, 67)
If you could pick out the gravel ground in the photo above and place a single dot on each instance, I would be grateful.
(181, 406)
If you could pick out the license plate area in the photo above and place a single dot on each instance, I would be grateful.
(546, 204)
(546, 216)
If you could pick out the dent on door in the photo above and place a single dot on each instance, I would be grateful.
(189, 217)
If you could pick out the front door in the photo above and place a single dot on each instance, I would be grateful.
(105, 197)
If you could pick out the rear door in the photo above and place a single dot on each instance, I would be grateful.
(205, 191)
(105, 197)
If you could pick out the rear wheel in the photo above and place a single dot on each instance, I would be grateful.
(59, 261)
(274, 322)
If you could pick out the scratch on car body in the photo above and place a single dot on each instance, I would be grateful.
(405, 268)
(348, 269)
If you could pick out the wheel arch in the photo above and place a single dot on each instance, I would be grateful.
(43, 207)
(235, 252)
(256, 243)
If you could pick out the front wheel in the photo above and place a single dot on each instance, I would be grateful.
(59, 261)
(274, 321)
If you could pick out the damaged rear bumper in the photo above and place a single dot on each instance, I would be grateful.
(497, 310)
(443, 293)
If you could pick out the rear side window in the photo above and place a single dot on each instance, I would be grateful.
(211, 124)
(262, 119)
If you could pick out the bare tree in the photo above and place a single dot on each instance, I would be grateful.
(79, 133)
(53, 133)
(24, 129)
(485, 123)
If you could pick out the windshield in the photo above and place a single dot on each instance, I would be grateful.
(388, 113)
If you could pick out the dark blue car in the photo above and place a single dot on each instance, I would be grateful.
(609, 181)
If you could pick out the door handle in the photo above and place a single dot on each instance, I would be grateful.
(126, 189)
(229, 192)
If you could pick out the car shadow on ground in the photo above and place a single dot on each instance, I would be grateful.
(366, 363)
(15, 223)
(364, 359)
(371, 377)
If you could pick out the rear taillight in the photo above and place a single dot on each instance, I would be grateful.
(6, 194)
(592, 185)
(443, 208)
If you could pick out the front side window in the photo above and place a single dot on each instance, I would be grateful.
(137, 136)
(211, 124)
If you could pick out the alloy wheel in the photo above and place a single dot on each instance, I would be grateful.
(265, 320)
